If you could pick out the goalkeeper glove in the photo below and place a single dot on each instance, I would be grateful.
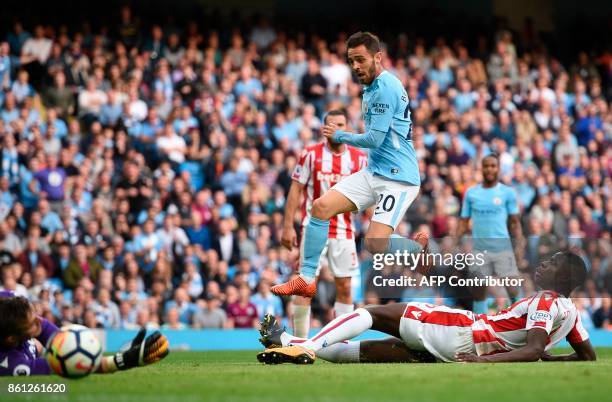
(141, 351)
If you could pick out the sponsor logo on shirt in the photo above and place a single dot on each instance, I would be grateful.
(486, 211)
(330, 177)
(540, 316)
(379, 108)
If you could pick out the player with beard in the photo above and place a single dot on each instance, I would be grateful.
(391, 181)
(320, 167)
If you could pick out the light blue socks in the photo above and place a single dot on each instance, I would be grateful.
(315, 237)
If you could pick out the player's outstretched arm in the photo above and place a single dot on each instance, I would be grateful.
(582, 351)
(533, 351)
(140, 352)
(371, 139)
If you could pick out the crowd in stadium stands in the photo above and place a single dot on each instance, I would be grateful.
(144, 169)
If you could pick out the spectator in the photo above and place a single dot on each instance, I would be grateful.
(52, 181)
(9, 241)
(32, 257)
(182, 305)
(91, 101)
(172, 320)
(210, 314)
(226, 243)
(105, 310)
(21, 87)
(314, 86)
(171, 146)
(81, 266)
(266, 302)
(193, 280)
(242, 313)
(59, 96)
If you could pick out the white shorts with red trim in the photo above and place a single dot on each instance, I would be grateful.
(440, 330)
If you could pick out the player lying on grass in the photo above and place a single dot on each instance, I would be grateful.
(23, 334)
(524, 332)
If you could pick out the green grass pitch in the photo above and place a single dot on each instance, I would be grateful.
(237, 376)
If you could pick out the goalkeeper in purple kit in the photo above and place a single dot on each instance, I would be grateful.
(23, 334)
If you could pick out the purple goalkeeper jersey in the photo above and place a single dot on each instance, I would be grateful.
(24, 359)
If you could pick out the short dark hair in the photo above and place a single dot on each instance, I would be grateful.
(14, 312)
(491, 155)
(368, 39)
(335, 112)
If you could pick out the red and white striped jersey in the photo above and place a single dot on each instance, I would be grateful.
(319, 169)
(507, 330)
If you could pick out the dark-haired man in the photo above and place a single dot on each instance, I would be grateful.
(320, 167)
(524, 332)
(492, 207)
(23, 334)
(391, 180)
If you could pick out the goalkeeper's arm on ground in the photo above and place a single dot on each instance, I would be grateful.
(140, 351)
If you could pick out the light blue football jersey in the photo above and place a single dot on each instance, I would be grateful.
(489, 209)
(385, 108)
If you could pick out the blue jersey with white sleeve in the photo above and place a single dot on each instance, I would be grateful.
(388, 131)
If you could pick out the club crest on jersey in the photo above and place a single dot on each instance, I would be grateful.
(21, 370)
(540, 316)
(497, 201)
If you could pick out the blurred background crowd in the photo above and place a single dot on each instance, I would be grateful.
(144, 166)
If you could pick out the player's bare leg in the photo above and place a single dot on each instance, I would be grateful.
(332, 203)
(301, 316)
(381, 318)
(344, 298)
(390, 350)
(377, 237)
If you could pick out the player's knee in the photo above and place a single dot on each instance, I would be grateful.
(322, 209)
(375, 312)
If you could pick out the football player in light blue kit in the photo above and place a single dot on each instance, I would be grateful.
(492, 207)
(391, 181)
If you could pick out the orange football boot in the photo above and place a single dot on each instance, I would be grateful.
(296, 287)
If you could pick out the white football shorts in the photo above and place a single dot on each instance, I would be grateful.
(392, 198)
